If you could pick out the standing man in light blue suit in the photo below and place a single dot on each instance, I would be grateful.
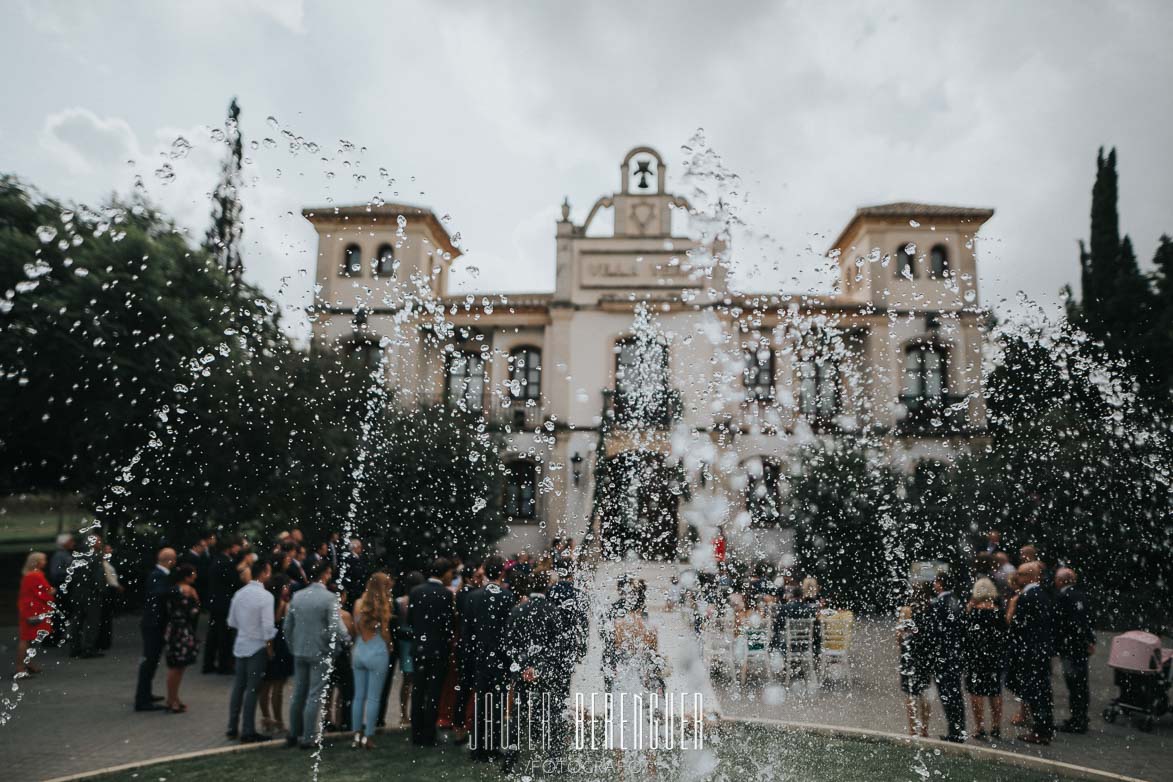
(313, 629)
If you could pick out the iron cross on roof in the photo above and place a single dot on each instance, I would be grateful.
(643, 169)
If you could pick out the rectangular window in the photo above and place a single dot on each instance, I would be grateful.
(924, 375)
(759, 374)
(525, 374)
(520, 498)
(818, 388)
(466, 382)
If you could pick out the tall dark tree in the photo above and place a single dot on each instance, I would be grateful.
(1162, 334)
(1118, 306)
(1163, 276)
(1099, 259)
(224, 235)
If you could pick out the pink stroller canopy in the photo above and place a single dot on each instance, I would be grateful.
(1137, 651)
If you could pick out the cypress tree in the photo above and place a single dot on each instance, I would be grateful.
(1118, 301)
(1099, 259)
(224, 235)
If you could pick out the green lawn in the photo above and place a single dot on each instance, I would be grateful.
(21, 525)
(743, 753)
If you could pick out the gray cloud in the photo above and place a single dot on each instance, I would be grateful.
(500, 110)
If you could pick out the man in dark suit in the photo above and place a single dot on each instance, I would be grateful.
(223, 581)
(154, 622)
(87, 591)
(946, 631)
(535, 666)
(488, 610)
(334, 550)
(465, 650)
(319, 553)
(573, 626)
(1032, 622)
(199, 556)
(431, 615)
(1075, 641)
(355, 571)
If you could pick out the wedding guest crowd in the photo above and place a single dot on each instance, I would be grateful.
(1001, 635)
(467, 637)
(326, 622)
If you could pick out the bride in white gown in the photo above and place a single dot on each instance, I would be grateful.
(638, 676)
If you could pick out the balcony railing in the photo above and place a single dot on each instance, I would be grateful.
(656, 409)
(943, 414)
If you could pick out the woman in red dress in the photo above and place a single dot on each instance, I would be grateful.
(34, 609)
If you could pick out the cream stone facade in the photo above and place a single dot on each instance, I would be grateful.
(642, 392)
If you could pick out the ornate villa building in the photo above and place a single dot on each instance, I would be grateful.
(642, 404)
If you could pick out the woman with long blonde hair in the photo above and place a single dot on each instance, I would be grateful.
(371, 657)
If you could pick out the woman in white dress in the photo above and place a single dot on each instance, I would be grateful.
(638, 673)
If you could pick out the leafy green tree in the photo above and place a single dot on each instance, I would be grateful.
(1077, 464)
(846, 508)
(434, 486)
(104, 313)
(138, 375)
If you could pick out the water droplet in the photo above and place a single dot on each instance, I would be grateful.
(180, 148)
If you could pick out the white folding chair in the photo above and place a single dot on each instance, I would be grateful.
(800, 648)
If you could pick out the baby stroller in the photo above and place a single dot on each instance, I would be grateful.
(1142, 674)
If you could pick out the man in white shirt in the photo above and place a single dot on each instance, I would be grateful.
(251, 615)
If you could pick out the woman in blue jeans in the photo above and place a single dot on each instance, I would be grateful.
(371, 656)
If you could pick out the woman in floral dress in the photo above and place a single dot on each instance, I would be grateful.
(183, 612)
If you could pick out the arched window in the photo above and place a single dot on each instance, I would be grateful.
(525, 374)
(938, 261)
(924, 376)
(466, 381)
(520, 497)
(906, 261)
(352, 260)
(385, 263)
(758, 375)
(763, 491)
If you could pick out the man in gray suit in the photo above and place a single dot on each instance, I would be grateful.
(313, 628)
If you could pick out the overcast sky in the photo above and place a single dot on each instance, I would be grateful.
(491, 113)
